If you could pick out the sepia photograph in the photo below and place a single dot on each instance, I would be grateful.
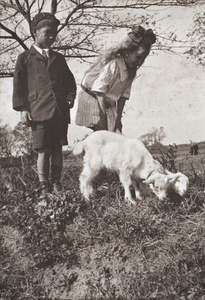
(102, 149)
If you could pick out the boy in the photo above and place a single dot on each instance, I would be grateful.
(44, 90)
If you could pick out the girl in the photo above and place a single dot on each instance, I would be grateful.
(107, 84)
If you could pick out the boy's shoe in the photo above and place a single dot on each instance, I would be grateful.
(44, 188)
(57, 187)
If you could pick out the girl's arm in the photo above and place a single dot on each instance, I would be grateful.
(102, 124)
(101, 102)
(120, 107)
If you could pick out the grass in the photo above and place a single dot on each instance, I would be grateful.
(61, 247)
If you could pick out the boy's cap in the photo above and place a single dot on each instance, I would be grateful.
(43, 16)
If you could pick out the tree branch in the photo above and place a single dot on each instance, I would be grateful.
(14, 36)
(22, 10)
(41, 7)
(54, 6)
(78, 7)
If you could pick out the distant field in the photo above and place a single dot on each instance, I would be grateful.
(184, 161)
(183, 151)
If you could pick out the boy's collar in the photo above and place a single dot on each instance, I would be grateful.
(41, 50)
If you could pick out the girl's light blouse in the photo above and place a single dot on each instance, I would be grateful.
(111, 79)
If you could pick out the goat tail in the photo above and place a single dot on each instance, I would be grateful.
(78, 148)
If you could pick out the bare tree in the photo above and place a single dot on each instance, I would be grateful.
(154, 136)
(168, 157)
(6, 141)
(22, 146)
(83, 23)
(198, 51)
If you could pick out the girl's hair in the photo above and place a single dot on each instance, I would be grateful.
(139, 37)
(127, 45)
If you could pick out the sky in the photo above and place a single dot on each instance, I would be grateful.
(169, 90)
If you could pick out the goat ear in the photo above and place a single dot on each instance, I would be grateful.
(173, 177)
(167, 172)
(149, 180)
(171, 174)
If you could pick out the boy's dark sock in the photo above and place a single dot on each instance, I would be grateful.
(56, 173)
(56, 176)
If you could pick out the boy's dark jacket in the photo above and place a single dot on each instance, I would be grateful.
(42, 87)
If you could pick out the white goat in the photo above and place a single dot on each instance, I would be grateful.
(131, 160)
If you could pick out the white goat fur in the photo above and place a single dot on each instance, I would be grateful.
(131, 160)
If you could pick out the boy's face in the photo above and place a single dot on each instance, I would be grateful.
(45, 36)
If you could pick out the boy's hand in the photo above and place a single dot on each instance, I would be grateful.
(26, 118)
(70, 100)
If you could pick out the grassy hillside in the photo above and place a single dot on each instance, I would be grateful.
(183, 151)
(60, 247)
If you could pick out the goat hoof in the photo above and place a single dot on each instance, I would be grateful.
(131, 202)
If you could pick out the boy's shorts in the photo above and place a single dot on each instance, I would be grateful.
(49, 134)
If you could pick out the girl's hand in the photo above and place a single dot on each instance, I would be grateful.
(118, 124)
(102, 123)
